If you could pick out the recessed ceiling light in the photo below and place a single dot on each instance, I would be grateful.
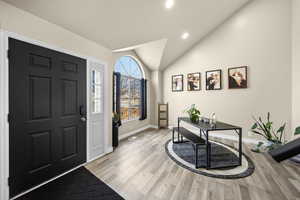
(185, 35)
(169, 4)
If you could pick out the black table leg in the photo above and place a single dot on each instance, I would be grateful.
(240, 146)
(178, 123)
(173, 135)
(207, 152)
(196, 156)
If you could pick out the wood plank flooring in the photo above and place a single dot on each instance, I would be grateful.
(140, 169)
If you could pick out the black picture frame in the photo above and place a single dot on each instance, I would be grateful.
(189, 88)
(209, 85)
(243, 83)
(173, 82)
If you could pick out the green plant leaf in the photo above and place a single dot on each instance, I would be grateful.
(262, 127)
(254, 126)
(269, 125)
(267, 131)
(259, 144)
(268, 117)
(258, 133)
(297, 131)
(281, 129)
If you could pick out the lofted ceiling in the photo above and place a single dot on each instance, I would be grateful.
(150, 53)
(119, 24)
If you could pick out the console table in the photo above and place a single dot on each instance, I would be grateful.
(206, 128)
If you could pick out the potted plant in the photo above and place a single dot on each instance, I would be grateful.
(267, 130)
(193, 113)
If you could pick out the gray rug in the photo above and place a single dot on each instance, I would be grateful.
(296, 159)
(222, 155)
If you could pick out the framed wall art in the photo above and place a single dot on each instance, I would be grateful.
(214, 80)
(194, 81)
(177, 83)
(237, 77)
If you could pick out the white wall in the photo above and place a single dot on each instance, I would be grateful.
(295, 64)
(156, 77)
(157, 95)
(130, 126)
(258, 36)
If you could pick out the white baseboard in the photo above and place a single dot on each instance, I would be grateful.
(153, 126)
(107, 151)
(126, 135)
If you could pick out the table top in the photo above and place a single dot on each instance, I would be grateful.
(219, 126)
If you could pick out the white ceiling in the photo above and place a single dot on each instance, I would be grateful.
(118, 24)
(150, 53)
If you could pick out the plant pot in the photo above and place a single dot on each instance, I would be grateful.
(266, 146)
(194, 118)
(271, 145)
(115, 134)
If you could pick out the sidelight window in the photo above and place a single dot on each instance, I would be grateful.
(96, 86)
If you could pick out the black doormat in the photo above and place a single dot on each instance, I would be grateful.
(77, 185)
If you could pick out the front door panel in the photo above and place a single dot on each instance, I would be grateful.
(47, 101)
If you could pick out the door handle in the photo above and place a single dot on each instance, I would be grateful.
(83, 119)
(82, 113)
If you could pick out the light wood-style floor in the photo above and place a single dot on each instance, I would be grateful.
(140, 169)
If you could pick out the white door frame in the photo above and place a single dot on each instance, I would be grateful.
(4, 103)
(4, 127)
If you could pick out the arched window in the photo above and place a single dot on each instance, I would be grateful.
(128, 66)
(131, 76)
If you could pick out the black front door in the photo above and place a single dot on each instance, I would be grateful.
(47, 91)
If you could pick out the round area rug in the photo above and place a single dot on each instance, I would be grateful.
(221, 155)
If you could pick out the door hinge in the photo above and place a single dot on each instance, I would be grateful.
(9, 181)
(9, 118)
(8, 54)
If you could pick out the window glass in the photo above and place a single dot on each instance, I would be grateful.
(96, 87)
(128, 66)
(131, 76)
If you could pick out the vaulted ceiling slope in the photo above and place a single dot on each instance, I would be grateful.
(118, 24)
(150, 53)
